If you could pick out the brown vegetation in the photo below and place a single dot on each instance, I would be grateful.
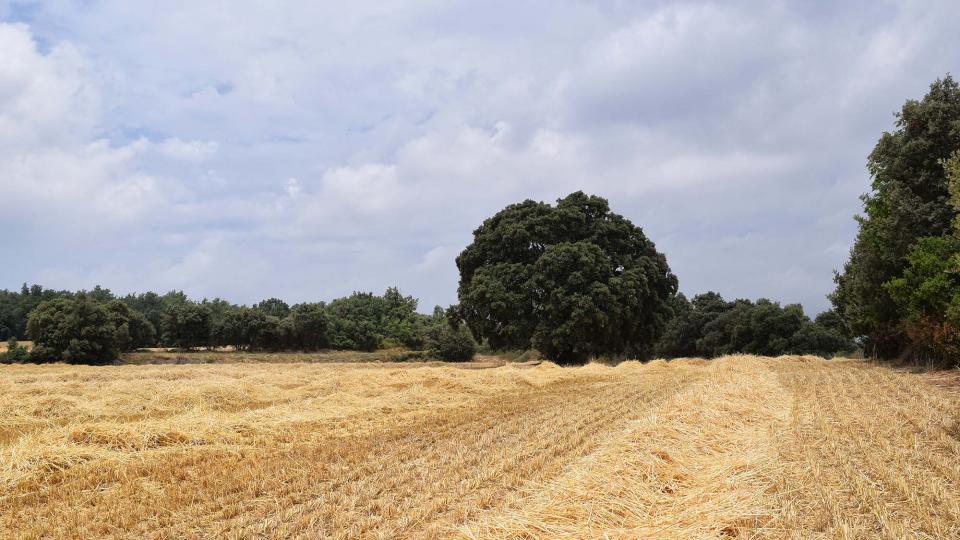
(741, 446)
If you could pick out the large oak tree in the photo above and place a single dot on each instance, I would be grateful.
(573, 280)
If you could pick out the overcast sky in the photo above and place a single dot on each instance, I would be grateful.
(309, 149)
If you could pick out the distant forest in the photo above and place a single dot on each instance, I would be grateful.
(96, 325)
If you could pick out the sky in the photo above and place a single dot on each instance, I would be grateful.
(305, 150)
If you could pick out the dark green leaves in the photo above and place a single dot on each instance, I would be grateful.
(909, 200)
(574, 281)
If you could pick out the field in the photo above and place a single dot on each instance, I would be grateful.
(792, 447)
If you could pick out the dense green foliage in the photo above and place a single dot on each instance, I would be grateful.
(709, 326)
(15, 306)
(928, 295)
(361, 321)
(452, 343)
(186, 325)
(151, 305)
(909, 200)
(448, 338)
(573, 280)
(133, 330)
(76, 329)
(15, 354)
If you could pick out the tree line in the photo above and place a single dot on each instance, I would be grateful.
(95, 326)
(899, 292)
(575, 281)
(709, 326)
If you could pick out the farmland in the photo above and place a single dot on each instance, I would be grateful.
(736, 447)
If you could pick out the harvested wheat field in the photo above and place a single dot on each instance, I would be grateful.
(792, 447)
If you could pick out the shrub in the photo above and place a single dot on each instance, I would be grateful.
(452, 344)
(14, 354)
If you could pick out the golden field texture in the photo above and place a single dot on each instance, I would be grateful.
(790, 447)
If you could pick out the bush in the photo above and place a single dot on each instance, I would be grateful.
(452, 344)
(15, 354)
(928, 295)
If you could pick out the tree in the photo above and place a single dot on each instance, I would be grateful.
(355, 322)
(909, 199)
(951, 168)
(928, 293)
(73, 329)
(684, 332)
(574, 280)
(186, 325)
(815, 338)
(448, 338)
(151, 305)
(401, 322)
(132, 329)
(833, 321)
(16, 306)
(309, 326)
(273, 306)
(100, 295)
(452, 343)
(232, 329)
(716, 327)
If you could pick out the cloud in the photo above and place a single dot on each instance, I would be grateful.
(366, 189)
(305, 150)
(179, 150)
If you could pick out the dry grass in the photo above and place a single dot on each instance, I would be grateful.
(747, 447)
(223, 356)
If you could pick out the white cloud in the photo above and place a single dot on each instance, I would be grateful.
(293, 188)
(177, 149)
(45, 99)
(367, 188)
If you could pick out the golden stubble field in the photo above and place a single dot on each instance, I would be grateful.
(792, 447)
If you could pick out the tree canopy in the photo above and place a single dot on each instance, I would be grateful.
(76, 329)
(909, 200)
(709, 326)
(574, 280)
